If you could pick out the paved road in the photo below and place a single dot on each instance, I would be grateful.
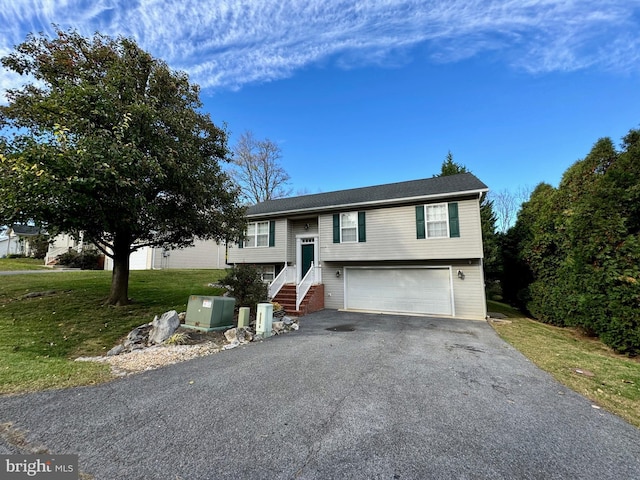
(27, 272)
(396, 398)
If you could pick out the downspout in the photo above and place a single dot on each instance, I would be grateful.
(484, 282)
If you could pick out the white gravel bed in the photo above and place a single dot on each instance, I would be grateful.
(153, 357)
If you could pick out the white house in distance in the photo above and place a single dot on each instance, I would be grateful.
(17, 240)
(204, 254)
(410, 247)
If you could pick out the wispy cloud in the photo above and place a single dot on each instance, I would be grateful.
(225, 44)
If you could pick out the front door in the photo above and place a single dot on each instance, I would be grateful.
(307, 257)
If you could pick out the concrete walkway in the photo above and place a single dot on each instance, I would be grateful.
(387, 397)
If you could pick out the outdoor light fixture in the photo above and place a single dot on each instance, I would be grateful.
(460, 274)
(338, 273)
(306, 226)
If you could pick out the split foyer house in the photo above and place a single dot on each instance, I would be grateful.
(410, 247)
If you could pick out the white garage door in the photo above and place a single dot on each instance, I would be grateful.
(410, 290)
(138, 259)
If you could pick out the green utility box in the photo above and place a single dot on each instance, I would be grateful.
(209, 313)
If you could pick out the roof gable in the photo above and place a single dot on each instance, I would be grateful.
(450, 185)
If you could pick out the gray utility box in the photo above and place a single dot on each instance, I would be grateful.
(209, 313)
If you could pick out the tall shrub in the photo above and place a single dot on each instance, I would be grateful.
(581, 244)
(246, 285)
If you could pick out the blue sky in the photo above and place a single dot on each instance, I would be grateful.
(366, 92)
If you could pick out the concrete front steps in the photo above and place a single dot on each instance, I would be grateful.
(313, 300)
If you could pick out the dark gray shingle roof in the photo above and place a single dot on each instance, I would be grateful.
(26, 230)
(389, 193)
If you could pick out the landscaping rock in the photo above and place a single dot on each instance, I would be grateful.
(137, 336)
(244, 335)
(240, 335)
(231, 335)
(277, 327)
(115, 350)
(163, 327)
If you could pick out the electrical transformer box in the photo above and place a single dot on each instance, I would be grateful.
(210, 313)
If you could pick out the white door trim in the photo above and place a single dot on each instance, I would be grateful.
(305, 239)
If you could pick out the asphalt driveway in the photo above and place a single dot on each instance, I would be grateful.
(391, 397)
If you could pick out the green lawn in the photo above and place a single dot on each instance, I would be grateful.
(39, 335)
(610, 380)
(14, 264)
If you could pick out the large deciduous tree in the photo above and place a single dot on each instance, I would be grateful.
(257, 170)
(107, 140)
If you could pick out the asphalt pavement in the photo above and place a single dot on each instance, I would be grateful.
(373, 397)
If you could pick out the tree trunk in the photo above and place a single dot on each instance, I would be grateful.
(119, 294)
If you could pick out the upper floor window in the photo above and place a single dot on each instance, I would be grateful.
(438, 220)
(260, 234)
(349, 227)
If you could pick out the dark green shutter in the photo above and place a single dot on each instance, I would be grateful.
(241, 243)
(420, 231)
(336, 228)
(454, 223)
(272, 233)
(362, 230)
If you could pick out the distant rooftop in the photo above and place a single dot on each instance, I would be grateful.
(463, 183)
(25, 230)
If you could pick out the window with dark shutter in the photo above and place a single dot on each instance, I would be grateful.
(454, 222)
(420, 229)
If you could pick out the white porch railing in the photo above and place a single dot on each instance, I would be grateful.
(313, 277)
(286, 275)
(53, 253)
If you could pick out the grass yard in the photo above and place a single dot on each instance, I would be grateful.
(47, 320)
(15, 264)
(610, 380)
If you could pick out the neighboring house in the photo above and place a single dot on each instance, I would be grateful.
(205, 254)
(63, 243)
(17, 240)
(9, 246)
(411, 247)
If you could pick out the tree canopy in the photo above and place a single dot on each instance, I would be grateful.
(109, 141)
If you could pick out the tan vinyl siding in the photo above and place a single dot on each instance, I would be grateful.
(273, 254)
(203, 254)
(296, 229)
(468, 294)
(391, 235)
(333, 286)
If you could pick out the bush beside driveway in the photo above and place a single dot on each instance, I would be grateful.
(382, 397)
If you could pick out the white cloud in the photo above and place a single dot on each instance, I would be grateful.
(229, 43)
